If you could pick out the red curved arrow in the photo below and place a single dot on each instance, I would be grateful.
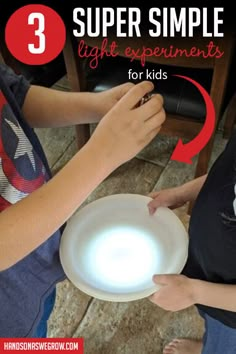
(184, 153)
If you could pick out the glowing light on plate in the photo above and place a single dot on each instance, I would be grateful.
(123, 256)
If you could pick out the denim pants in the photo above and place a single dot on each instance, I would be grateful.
(41, 331)
(218, 338)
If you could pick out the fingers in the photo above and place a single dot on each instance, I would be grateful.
(151, 107)
(152, 114)
(153, 205)
(161, 279)
(155, 121)
(134, 95)
(152, 298)
(154, 124)
(124, 88)
(154, 194)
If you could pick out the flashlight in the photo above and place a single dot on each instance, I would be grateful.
(145, 98)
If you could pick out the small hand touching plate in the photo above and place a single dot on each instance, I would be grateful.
(111, 248)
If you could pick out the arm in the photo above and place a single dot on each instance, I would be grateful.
(190, 190)
(221, 296)
(177, 196)
(178, 292)
(30, 222)
(46, 107)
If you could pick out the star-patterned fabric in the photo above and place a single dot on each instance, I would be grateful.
(23, 168)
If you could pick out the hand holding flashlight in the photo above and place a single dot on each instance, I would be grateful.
(130, 125)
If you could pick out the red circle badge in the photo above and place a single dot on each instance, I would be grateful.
(35, 34)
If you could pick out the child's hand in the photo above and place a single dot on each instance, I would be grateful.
(126, 129)
(178, 196)
(172, 198)
(104, 101)
(177, 292)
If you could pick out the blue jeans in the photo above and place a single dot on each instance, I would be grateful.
(218, 338)
(41, 331)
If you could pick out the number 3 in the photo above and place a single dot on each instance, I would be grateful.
(39, 32)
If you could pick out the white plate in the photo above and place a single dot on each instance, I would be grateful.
(111, 248)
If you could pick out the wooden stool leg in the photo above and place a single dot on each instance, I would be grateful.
(230, 117)
(202, 165)
(82, 134)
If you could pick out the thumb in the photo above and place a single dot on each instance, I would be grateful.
(153, 205)
(160, 279)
